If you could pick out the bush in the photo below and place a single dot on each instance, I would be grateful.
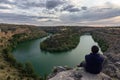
(11, 58)
(29, 68)
(5, 51)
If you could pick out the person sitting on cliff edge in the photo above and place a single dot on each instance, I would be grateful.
(93, 62)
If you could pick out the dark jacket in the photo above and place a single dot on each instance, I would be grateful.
(94, 63)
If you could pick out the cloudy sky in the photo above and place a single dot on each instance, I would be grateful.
(61, 12)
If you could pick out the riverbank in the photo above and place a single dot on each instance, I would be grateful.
(60, 42)
(9, 39)
(101, 42)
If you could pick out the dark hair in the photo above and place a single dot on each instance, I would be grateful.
(94, 49)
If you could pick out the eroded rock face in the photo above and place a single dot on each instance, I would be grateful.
(77, 74)
(112, 69)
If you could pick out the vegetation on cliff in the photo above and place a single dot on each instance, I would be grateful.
(18, 35)
(22, 37)
(60, 42)
(25, 69)
(101, 42)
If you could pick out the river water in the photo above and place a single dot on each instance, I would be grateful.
(43, 62)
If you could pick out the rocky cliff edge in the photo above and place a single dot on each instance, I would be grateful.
(64, 73)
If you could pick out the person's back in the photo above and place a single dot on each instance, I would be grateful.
(94, 63)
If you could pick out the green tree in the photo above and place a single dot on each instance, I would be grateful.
(29, 68)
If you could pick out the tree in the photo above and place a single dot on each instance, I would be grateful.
(29, 68)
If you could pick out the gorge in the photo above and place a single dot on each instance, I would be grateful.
(43, 62)
(27, 40)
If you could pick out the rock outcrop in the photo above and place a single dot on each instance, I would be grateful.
(63, 73)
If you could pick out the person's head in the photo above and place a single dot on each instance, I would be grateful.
(94, 49)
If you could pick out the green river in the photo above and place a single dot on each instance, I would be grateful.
(43, 62)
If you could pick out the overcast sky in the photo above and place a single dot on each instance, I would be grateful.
(61, 12)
